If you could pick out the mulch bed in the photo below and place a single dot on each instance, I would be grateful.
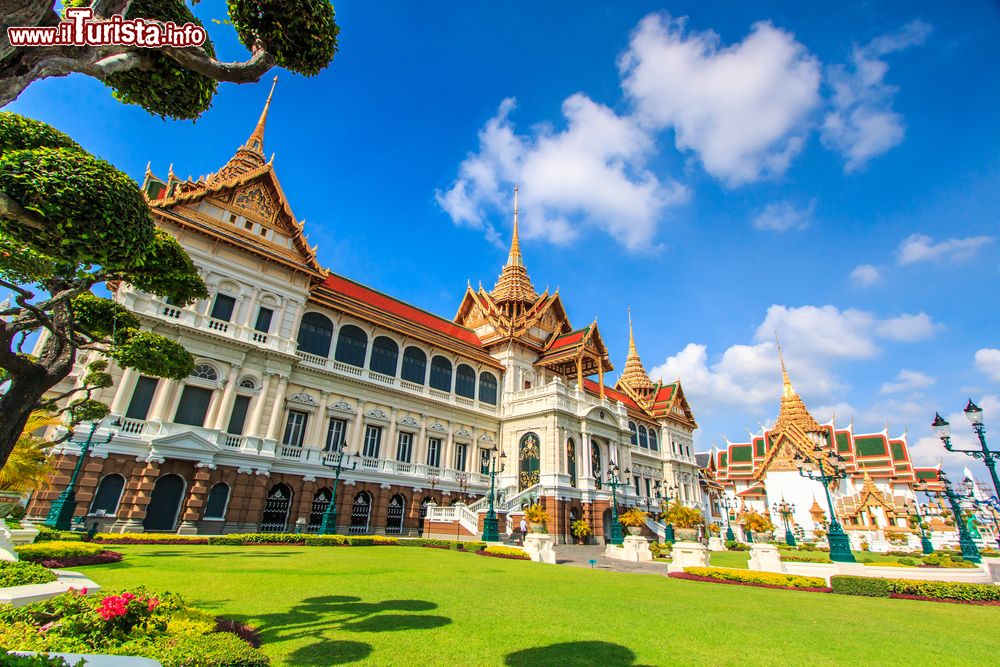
(697, 577)
(101, 558)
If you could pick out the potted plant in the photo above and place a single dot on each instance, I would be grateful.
(537, 517)
(714, 528)
(581, 531)
(633, 519)
(757, 525)
(685, 520)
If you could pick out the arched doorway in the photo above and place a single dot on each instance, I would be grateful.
(394, 515)
(361, 512)
(276, 505)
(607, 525)
(528, 462)
(164, 503)
(320, 503)
(423, 511)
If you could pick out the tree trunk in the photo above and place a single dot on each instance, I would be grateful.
(16, 405)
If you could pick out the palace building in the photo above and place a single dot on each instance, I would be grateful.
(295, 362)
(876, 495)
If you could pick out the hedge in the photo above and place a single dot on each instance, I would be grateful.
(11, 660)
(911, 588)
(144, 538)
(46, 534)
(23, 573)
(504, 552)
(43, 550)
(757, 578)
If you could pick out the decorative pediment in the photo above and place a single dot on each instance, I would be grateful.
(256, 200)
(463, 433)
(376, 413)
(303, 398)
(486, 437)
(408, 421)
(438, 428)
(343, 406)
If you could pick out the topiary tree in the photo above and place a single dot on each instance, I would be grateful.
(299, 35)
(72, 222)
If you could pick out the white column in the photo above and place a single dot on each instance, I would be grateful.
(257, 412)
(315, 434)
(277, 409)
(126, 387)
(357, 433)
(448, 455)
(249, 304)
(390, 453)
(164, 395)
(225, 403)
(420, 448)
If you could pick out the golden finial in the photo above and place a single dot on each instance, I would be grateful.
(787, 384)
(148, 165)
(514, 258)
(170, 172)
(256, 140)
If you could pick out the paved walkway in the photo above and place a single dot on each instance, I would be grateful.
(579, 555)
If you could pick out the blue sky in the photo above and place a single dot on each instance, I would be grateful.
(727, 169)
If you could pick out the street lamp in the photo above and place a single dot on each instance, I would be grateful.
(975, 415)
(663, 494)
(925, 539)
(970, 487)
(490, 531)
(730, 537)
(969, 550)
(463, 484)
(61, 511)
(614, 481)
(827, 473)
(335, 461)
(786, 510)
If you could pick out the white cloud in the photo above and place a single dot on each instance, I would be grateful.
(862, 123)
(907, 380)
(988, 363)
(929, 451)
(922, 248)
(743, 108)
(592, 172)
(784, 216)
(907, 328)
(866, 275)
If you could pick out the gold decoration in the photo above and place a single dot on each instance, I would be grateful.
(255, 199)
(513, 287)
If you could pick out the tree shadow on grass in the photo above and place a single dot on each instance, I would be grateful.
(321, 618)
(574, 654)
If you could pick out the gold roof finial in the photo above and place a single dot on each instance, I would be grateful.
(634, 375)
(792, 411)
(514, 257)
(514, 285)
(787, 389)
(256, 140)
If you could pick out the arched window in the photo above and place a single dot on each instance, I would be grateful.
(205, 372)
(488, 388)
(385, 355)
(276, 506)
(320, 503)
(109, 492)
(218, 499)
(394, 515)
(361, 513)
(315, 334)
(248, 383)
(528, 461)
(414, 365)
(643, 437)
(653, 440)
(465, 381)
(631, 427)
(440, 374)
(571, 461)
(351, 346)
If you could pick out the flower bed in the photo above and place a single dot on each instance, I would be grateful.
(503, 552)
(749, 578)
(24, 573)
(913, 589)
(135, 623)
(142, 538)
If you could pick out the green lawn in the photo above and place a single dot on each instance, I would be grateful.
(413, 606)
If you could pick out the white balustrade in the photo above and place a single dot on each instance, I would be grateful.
(132, 426)
(290, 452)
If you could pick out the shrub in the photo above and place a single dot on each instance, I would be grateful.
(757, 522)
(932, 590)
(681, 516)
(633, 518)
(34, 661)
(907, 561)
(660, 550)
(325, 541)
(581, 529)
(867, 586)
(733, 545)
(793, 558)
(146, 538)
(536, 514)
(751, 577)
(216, 649)
(361, 541)
(385, 541)
(473, 547)
(934, 560)
(237, 539)
(504, 552)
(46, 534)
(23, 573)
(56, 549)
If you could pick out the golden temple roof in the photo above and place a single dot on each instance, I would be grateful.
(793, 411)
(514, 285)
(634, 375)
(250, 155)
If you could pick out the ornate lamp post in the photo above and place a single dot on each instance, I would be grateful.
(490, 531)
(925, 539)
(463, 484)
(984, 453)
(614, 481)
(663, 494)
(336, 461)
(786, 510)
(61, 511)
(969, 550)
(730, 537)
(828, 472)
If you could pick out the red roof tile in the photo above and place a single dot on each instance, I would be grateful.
(366, 295)
(569, 339)
(592, 387)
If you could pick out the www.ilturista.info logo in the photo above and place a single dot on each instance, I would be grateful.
(80, 28)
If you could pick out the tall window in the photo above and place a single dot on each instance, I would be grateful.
(404, 447)
(648, 487)
(142, 396)
(336, 432)
(465, 381)
(385, 354)
(373, 441)
(643, 437)
(571, 461)
(263, 322)
(352, 343)
(653, 440)
(434, 452)
(460, 456)
(218, 498)
(193, 406)
(109, 492)
(239, 415)
(635, 478)
(484, 461)
(223, 307)
(295, 428)
(488, 388)
(635, 433)
(315, 334)
(414, 365)
(440, 374)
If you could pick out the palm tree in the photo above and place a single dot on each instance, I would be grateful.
(29, 466)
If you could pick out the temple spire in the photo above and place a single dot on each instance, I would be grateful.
(514, 285)
(634, 374)
(793, 411)
(256, 140)
(787, 389)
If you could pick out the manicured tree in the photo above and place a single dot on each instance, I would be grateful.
(29, 464)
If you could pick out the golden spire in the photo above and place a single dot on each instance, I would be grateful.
(256, 140)
(793, 411)
(634, 375)
(514, 285)
(786, 383)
